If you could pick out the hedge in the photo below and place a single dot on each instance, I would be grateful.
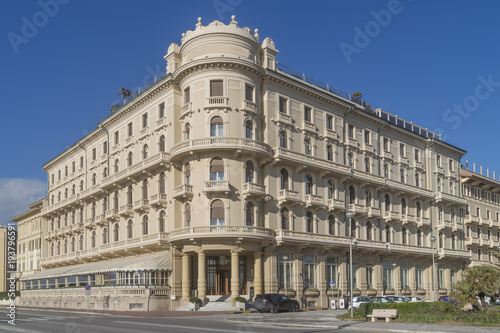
(410, 308)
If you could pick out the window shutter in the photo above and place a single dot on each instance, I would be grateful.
(249, 93)
(217, 210)
(217, 165)
(216, 121)
(216, 88)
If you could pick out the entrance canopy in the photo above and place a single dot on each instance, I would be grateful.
(157, 261)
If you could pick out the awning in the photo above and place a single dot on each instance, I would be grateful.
(157, 261)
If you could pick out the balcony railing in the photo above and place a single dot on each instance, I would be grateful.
(183, 190)
(313, 200)
(471, 219)
(221, 231)
(408, 219)
(249, 106)
(141, 205)
(373, 212)
(356, 209)
(283, 118)
(216, 186)
(253, 189)
(127, 210)
(217, 101)
(423, 222)
(288, 196)
(308, 126)
(186, 109)
(392, 216)
(335, 204)
(159, 199)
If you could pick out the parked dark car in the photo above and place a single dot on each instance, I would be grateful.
(275, 302)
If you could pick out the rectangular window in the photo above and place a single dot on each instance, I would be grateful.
(350, 131)
(329, 122)
(405, 281)
(105, 147)
(249, 92)
(187, 96)
(161, 110)
(440, 276)
(451, 164)
(81, 161)
(73, 166)
(419, 276)
(332, 272)
(94, 154)
(402, 150)
(453, 278)
(386, 144)
(388, 276)
(417, 155)
(59, 175)
(369, 277)
(438, 160)
(145, 120)
(117, 137)
(129, 129)
(285, 271)
(283, 105)
(309, 272)
(66, 171)
(307, 113)
(52, 178)
(216, 88)
(367, 136)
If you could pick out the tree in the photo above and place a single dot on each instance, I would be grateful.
(478, 282)
(125, 93)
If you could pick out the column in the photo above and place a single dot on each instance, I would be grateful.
(257, 280)
(186, 278)
(321, 280)
(235, 274)
(202, 275)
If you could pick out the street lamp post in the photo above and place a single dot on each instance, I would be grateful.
(350, 215)
(433, 239)
(285, 264)
(394, 278)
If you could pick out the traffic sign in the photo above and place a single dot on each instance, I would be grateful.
(332, 283)
(88, 287)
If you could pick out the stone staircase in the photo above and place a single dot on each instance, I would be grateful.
(215, 303)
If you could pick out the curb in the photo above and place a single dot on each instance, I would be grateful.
(302, 310)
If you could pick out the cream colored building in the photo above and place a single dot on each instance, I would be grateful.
(3, 259)
(232, 175)
(482, 216)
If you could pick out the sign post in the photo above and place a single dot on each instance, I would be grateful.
(332, 305)
(87, 293)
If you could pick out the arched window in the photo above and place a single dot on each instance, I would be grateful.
(145, 189)
(80, 241)
(419, 209)
(115, 200)
(145, 150)
(130, 159)
(307, 147)
(350, 160)
(309, 184)
(367, 164)
(187, 131)
(52, 249)
(81, 189)
(352, 195)
(453, 241)
(187, 174)
(283, 140)
(329, 152)
(387, 203)
(439, 184)
(161, 185)
(129, 195)
(130, 229)
(419, 237)
(65, 193)
(387, 234)
(368, 231)
(59, 194)
(216, 126)
(368, 198)
(353, 227)
(73, 189)
(284, 179)
(73, 217)
(105, 236)
(417, 179)
(403, 235)
(441, 240)
(92, 210)
(105, 204)
(216, 169)
(65, 248)
(331, 190)
(250, 214)
(93, 239)
(94, 181)
(452, 214)
(105, 173)
(248, 129)
(217, 213)
(117, 166)
(451, 187)
(403, 206)
(58, 247)
(309, 222)
(161, 143)
(73, 244)
(249, 172)
(402, 174)
(331, 225)
(285, 222)
(52, 200)
(116, 232)
(440, 213)
(386, 170)
(163, 220)
(145, 225)
(187, 215)
(81, 215)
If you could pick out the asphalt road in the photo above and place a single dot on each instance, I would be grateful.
(30, 321)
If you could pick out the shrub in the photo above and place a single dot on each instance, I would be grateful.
(410, 308)
(195, 300)
(240, 299)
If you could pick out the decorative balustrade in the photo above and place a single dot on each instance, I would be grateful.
(183, 190)
(253, 189)
(216, 186)
(220, 231)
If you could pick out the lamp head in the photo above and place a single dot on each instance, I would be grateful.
(433, 239)
(350, 214)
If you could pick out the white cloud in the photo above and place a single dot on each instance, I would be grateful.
(16, 194)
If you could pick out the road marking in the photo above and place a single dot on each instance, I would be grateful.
(184, 327)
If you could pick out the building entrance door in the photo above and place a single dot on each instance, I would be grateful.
(223, 281)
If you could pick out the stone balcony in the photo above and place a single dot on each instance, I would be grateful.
(407, 219)
(469, 219)
(448, 198)
(216, 186)
(288, 196)
(335, 205)
(283, 118)
(373, 212)
(112, 214)
(90, 223)
(126, 210)
(158, 200)
(186, 109)
(312, 200)
(330, 134)
(307, 126)
(310, 162)
(141, 205)
(183, 191)
(100, 219)
(423, 222)
(249, 107)
(215, 102)
(391, 216)
(471, 241)
(253, 189)
(442, 225)
(356, 209)
(457, 226)
(221, 231)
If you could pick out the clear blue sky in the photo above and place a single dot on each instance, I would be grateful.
(59, 80)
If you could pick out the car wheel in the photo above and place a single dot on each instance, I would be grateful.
(274, 309)
(296, 308)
